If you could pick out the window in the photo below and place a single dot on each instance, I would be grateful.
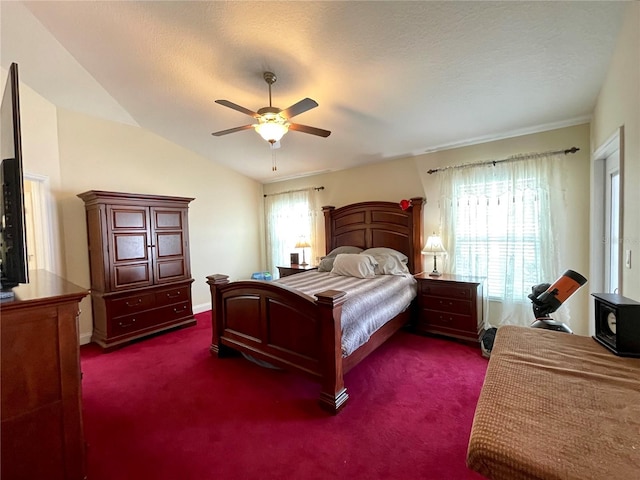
(502, 239)
(289, 216)
(498, 223)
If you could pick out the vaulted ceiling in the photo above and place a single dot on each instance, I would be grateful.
(392, 79)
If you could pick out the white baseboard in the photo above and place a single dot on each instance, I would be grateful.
(85, 338)
(203, 307)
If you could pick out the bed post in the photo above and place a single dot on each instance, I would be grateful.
(418, 235)
(333, 394)
(216, 281)
(328, 228)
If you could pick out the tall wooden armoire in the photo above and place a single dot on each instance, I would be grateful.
(139, 259)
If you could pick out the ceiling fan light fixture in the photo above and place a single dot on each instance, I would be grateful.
(273, 122)
(271, 127)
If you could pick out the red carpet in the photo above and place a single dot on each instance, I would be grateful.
(165, 409)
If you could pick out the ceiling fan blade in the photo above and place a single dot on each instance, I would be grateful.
(231, 130)
(300, 107)
(238, 108)
(312, 130)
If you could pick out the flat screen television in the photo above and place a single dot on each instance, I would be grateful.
(13, 245)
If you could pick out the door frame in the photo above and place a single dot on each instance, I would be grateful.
(43, 216)
(597, 279)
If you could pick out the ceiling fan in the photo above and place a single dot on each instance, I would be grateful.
(273, 122)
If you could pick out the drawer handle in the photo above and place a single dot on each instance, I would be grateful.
(180, 310)
(138, 302)
(127, 325)
(446, 320)
(449, 303)
(174, 296)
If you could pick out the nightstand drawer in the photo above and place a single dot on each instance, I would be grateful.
(448, 320)
(452, 291)
(462, 307)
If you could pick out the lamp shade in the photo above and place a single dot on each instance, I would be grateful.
(434, 245)
(272, 127)
(302, 243)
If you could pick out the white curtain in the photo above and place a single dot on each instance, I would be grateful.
(290, 216)
(499, 221)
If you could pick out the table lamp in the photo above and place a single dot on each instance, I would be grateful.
(434, 247)
(303, 243)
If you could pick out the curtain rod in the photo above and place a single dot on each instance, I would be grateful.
(293, 191)
(511, 159)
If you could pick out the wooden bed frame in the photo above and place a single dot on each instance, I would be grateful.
(277, 324)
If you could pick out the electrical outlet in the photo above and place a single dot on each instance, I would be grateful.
(627, 258)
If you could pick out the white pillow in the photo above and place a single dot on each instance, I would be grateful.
(354, 265)
(389, 265)
(388, 251)
(345, 249)
(326, 263)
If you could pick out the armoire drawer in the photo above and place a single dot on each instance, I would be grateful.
(131, 304)
(173, 312)
(149, 319)
(170, 296)
(131, 323)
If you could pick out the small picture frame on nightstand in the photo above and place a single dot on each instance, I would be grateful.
(295, 259)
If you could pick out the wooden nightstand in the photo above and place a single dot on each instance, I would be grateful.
(295, 268)
(451, 305)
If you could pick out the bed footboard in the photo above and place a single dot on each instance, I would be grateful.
(284, 327)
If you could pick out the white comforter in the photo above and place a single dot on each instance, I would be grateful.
(370, 302)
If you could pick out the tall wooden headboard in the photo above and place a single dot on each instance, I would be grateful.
(377, 224)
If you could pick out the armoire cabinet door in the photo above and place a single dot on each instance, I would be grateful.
(130, 246)
(170, 249)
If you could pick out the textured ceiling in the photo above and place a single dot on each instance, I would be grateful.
(393, 79)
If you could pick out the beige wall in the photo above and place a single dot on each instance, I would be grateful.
(73, 152)
(101, 155)
(619, 105)
(405, 178)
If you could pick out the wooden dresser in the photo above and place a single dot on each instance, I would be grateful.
(140, 270)
(42, 436)
(451, 305)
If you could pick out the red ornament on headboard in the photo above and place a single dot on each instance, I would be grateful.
(404, 204)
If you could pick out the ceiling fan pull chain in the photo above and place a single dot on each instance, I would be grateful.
(274, 167)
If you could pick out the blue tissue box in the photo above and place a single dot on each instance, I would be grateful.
(261, 276)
